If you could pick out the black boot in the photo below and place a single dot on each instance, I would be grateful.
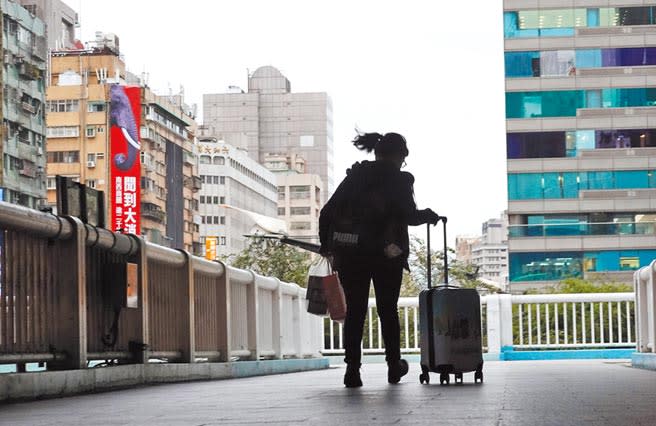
(352, 376)
(396, 370)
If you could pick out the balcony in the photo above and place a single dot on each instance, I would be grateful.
(29, 71)
(152, 211)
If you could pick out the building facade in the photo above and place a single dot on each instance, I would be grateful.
(235, 189)
(299, 196)
(170, 185)
(60, 20)
(272, 120)
(22, 174)
(581, 139)
(464, 244)
(490, 251)
(78, 133)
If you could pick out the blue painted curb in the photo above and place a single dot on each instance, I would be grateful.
(512, 355)
(643, 360)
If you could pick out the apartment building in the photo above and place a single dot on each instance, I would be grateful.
(170, 184)
(490, 251)
(24, 56)
(78, 119)
(60, 20)
(581, 139)
(237, 192)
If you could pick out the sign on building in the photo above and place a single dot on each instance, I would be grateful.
(125, 147)
(210, 248)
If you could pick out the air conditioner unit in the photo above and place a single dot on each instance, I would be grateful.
(91, 164)
(39, 150)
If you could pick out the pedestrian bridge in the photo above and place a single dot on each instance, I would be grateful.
(75, 298)
(573, 392)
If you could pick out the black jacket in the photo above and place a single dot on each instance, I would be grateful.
(389, 183)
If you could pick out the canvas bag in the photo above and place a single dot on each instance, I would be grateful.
(314, 295)
(332, 292)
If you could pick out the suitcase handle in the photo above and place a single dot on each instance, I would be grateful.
(428, 252)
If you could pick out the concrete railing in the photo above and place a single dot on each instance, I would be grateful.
(645, 289)
(71, 293)
(544, 321)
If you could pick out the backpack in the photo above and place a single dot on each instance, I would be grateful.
(359, 221)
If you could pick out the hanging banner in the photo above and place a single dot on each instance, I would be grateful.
(125, 148)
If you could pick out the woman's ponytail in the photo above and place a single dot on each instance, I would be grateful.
(383, 145)
(367, 141)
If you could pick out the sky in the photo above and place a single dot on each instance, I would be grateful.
(432, 71)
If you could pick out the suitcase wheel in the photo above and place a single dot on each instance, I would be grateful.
(458, 377)
(424, 377)
(478, 375)
(444, 378)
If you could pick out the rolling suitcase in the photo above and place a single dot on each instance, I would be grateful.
(450, 328)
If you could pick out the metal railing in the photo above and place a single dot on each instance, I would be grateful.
(577, 321)
(644, 281)
(59, 302)
(542, 321)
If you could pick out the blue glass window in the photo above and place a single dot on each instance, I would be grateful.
(554, 266)
(562, 22)
(527, 186)
(570, 185)
(632, 179)
(593, 17)
(522, 64)
(565, 103)
(551, 183)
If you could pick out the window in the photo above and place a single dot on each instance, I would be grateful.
(281, 211)
(67, 105)
(100, 129)
(91, 183)
(205, 159)
(63, 132)
(91, 131)
(222, 180)
(222, 220)
(219, 160)
(202, 199)
(215, 219)
(95, 107)
(299, 211)
(215, 199)
(215, 180)
(64, 157)
(221, 200)
(300, 226)
(299, 192)
(222, 241)
(202, 218)
(281, 192)
(51, 182)
(91, 157)
(100, 155)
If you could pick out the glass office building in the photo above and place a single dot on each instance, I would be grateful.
(581, 139)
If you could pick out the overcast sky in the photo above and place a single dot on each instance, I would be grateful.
(432, 71)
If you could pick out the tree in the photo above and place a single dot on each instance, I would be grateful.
(273, 258)
(579, 285)
(464, 273)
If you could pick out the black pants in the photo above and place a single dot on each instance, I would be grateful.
(355, 275)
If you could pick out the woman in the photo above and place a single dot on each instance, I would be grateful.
(364, 227)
